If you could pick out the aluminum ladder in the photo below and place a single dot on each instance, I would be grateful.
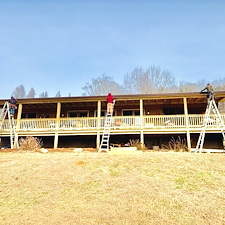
(5, 112)
(211, 111)
(104, 146)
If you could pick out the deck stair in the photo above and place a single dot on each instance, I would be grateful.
(5, 113)
(211, 114)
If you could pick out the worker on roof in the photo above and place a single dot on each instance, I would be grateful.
(12, 106)
(209, 92)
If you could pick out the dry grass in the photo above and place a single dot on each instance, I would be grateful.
(136, 143)
(91, 188)
(176, 145)
(30, 144)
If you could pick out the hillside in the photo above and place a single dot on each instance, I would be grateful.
(91, 188)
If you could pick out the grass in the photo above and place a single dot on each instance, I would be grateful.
(92, 188)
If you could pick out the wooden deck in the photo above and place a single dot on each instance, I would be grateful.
(121, 124)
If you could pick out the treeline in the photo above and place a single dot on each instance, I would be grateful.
(20, 92)
(139, 81)
(148, 81)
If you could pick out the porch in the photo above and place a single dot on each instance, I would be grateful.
(175, 113)
(163, 123)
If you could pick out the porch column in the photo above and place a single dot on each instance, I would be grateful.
(141, 112)
(98, 140)
(187, 124)
(58, 111)
(19, 113)
(56, 138)
(142, 138)
(98, 124)
(99, 114)
(141, 116)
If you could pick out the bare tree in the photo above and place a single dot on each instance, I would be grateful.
(44, 94)
(219, 85)
(58, 94)
(19, 92)
(151, 80)
(185, 86)
(101, 86)
(31, 93)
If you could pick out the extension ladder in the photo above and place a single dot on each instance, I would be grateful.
(211, 111)
(5, 112)
(106, 133)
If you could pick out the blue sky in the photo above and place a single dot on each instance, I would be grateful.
(54, 45)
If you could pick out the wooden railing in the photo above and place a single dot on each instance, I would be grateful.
(119, 122)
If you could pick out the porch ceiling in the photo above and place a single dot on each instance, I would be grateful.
(174, 101)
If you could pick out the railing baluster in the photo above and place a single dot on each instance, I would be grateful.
(126, 122)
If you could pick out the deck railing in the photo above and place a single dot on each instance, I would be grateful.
(118, 122)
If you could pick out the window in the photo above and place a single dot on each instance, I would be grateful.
(78, 114)
(127, 113)
(131, 112)
(31, 115)
(103, 113)
(137, 113)
(28, 115)
(83, 114)
(173, 111)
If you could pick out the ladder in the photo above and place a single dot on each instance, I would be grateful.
(211, 112)
(5, 112)
(106, 133)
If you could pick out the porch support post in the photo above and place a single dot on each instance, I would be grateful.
(58, 110)
(187, 124)
(141, 112)
(56, 138)
(141, 115)
(142, 138)
(98, 140)
(98, 124)
(19, 113)
(99, 114)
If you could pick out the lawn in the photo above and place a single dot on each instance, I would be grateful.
(98, 188)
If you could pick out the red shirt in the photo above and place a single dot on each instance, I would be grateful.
(109, 99)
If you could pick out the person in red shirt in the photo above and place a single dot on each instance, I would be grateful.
(110, 100)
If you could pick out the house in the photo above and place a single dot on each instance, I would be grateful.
(79, 121)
